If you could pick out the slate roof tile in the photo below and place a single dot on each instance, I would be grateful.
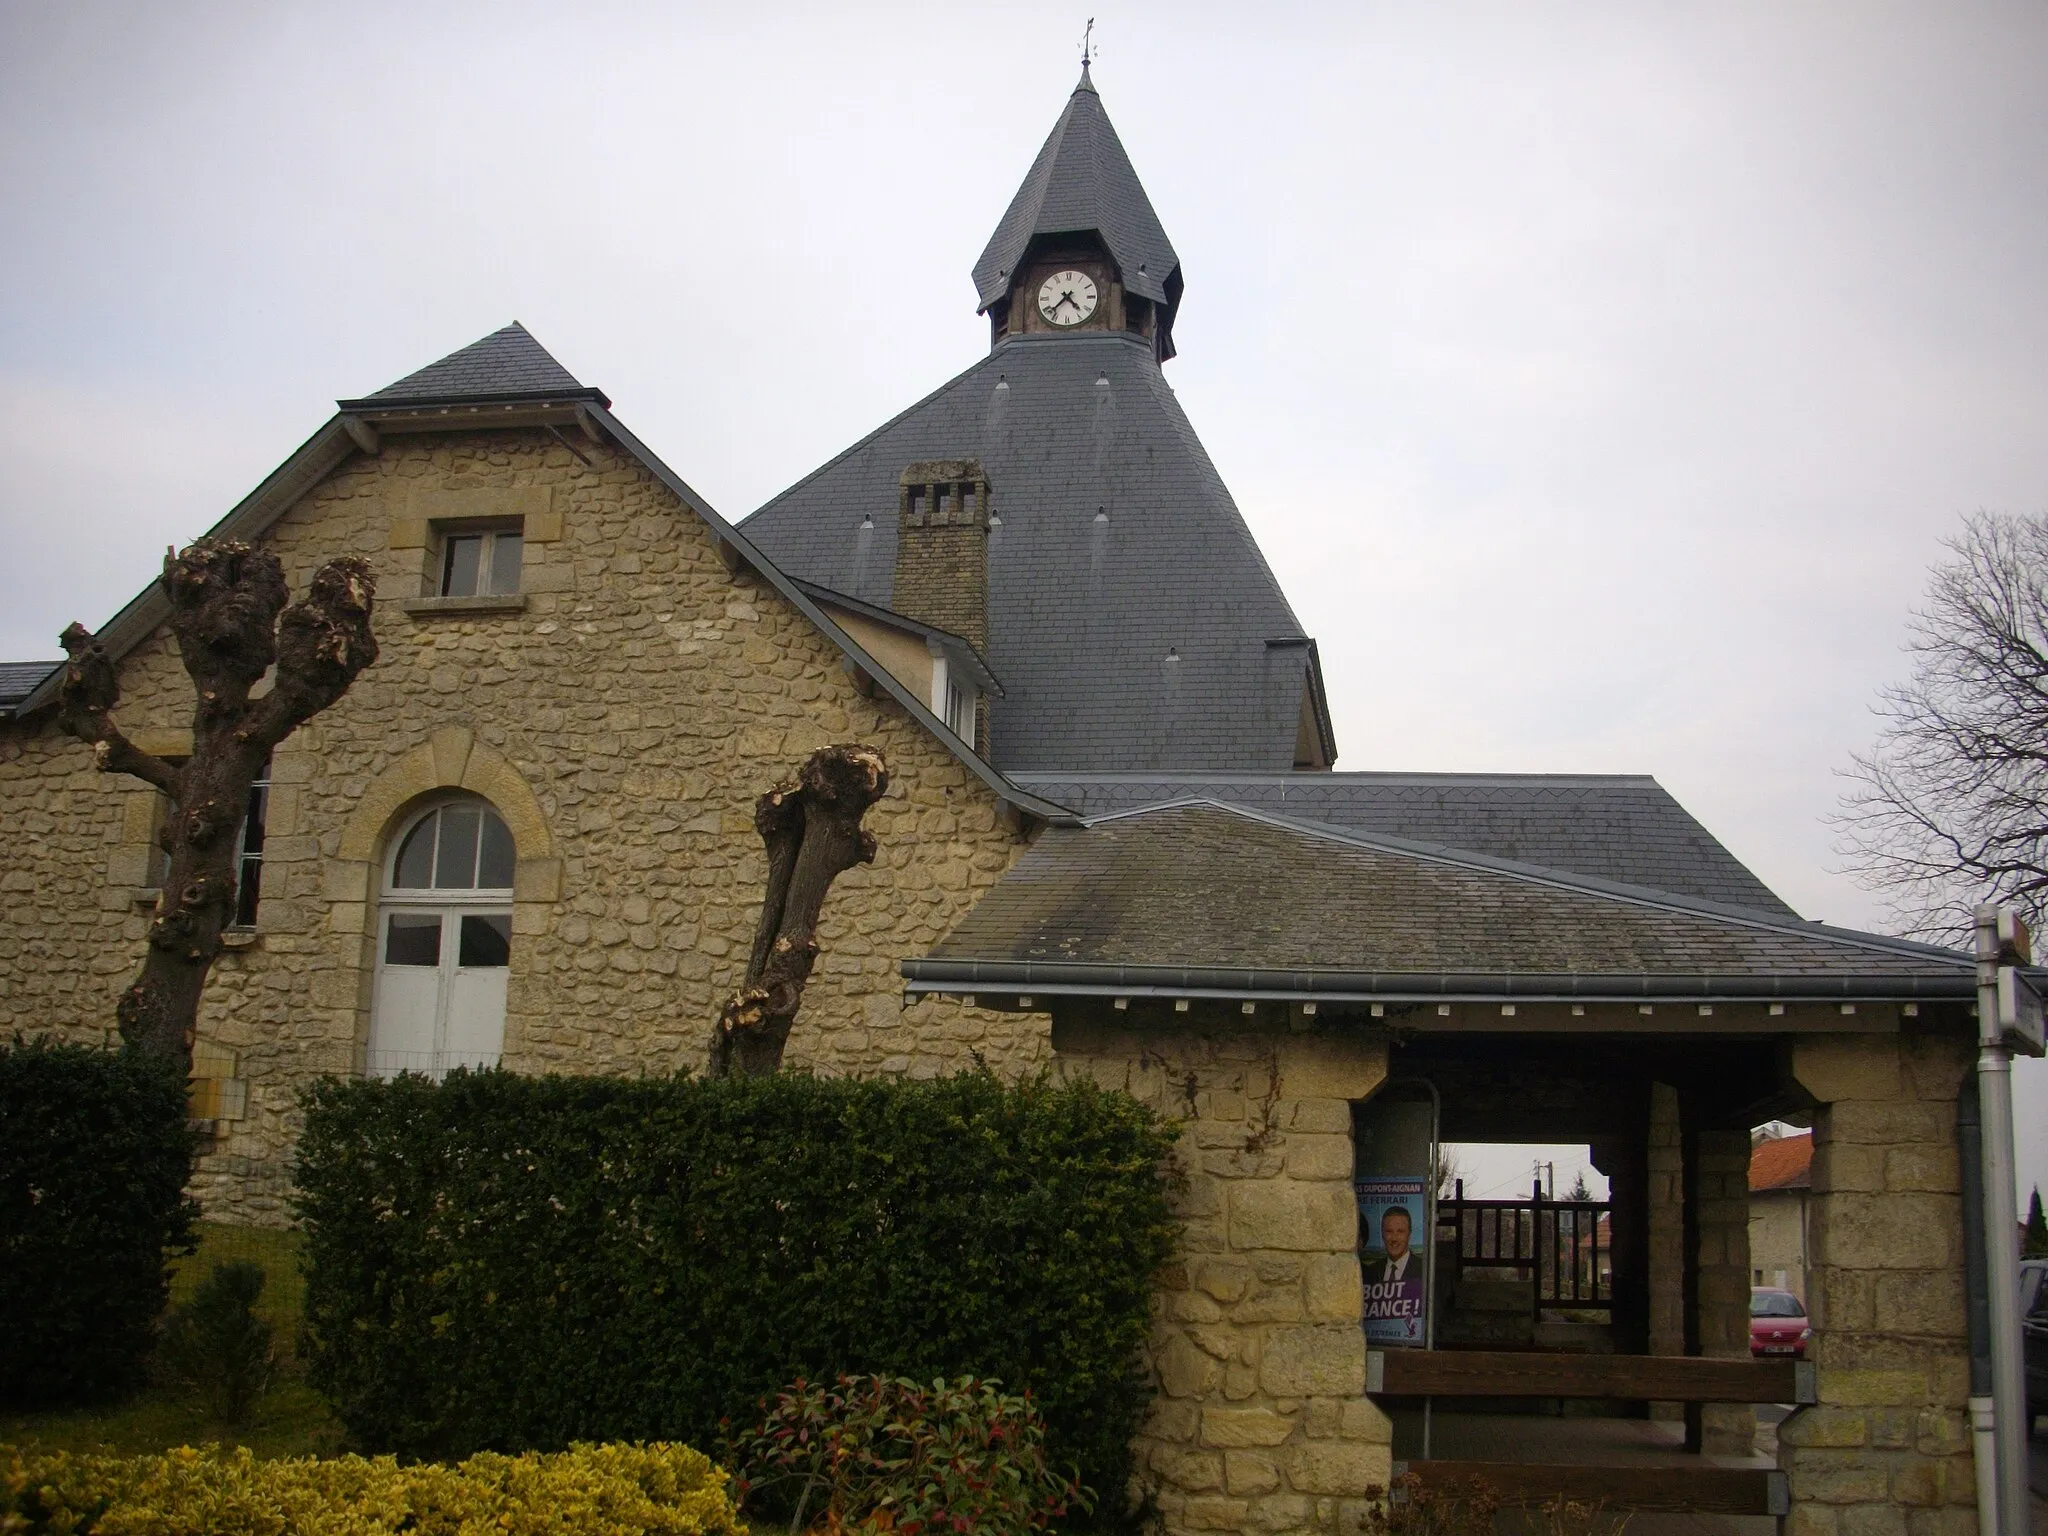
(18, 679)
(1082, 180)
(1083, 613)
(1206, 886)
(506, 362)
(1619, 827)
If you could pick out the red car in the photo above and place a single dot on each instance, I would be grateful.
(1777, 1324)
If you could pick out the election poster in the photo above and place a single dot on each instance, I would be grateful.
(1392, 1239)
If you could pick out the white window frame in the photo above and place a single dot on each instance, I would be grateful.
(486, 559)
(444, 902)
(953, 697)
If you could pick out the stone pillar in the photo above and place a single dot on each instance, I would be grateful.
(1886, 1451)
(1624, 1158)
(1666, 1223)
(1719, 1327)
(1261, 1423)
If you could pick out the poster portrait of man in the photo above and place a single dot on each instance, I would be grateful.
(1395, 1272)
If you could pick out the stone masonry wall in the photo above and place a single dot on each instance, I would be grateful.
(1261, 1423)
(624, 721)
(1666, 1157)
(1886, 1451)
(1722, 1183)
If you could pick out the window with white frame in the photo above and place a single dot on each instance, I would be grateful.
(482, 564)
(953, 697)
(249, 850)
(444, 942)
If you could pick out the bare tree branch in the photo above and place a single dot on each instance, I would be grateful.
(813, 834)
(1950, 808)
(85, 704)
(226, 600)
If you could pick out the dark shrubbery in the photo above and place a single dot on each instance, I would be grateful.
(217, 1347)
(94, 1155)
(513, 1262)
(871, 1453)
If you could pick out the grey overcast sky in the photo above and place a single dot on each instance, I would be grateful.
(1599, 379)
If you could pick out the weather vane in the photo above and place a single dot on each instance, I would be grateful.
(1088, 42)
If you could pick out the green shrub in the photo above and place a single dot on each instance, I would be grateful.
(590, 1490)
(875, 1453)
(513, 1262)
(94, 1156)
(217, 1346)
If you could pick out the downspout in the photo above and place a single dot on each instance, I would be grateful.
(1983, 1420)
(1999, 1218)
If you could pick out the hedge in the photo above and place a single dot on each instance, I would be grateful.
(514, 1262)
(591, 1490)
(94, 1157)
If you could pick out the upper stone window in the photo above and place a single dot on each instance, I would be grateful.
(249, 850)
(461, 847)
(482, 564)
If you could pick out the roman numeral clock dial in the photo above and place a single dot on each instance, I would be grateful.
(1067, 298)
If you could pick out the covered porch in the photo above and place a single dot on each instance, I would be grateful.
(1268, 984)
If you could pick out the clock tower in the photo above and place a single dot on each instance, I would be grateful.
(1051, 515)
(1080, 248)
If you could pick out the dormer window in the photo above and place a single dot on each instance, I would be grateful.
(484, 564)
(953, 696)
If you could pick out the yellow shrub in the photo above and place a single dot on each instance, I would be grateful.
(588, 1490)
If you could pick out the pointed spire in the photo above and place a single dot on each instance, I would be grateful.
(1083, 182)
(505, 364)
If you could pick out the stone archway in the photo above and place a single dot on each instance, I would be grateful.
(451, 759)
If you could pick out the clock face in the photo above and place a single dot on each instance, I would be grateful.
(1067, 298)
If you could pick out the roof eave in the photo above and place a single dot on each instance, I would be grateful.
(401, 405)
(338, 438)
(1011, 798)
(1072, 978)
(313, 461)
(957, 647)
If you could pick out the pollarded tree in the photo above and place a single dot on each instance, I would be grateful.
(230, 616)
(1950, 808)
(812, 832)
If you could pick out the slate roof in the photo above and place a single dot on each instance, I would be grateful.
(507, 364)
(1201, 896)
(1785, 1162)
(1119, 547)
(18, 679)
(1081, 181)
(1618, 827)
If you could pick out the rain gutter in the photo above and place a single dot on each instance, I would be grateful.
(1094, 979)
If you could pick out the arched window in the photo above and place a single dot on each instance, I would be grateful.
(444, 942)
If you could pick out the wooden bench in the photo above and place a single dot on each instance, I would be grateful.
(1517, 1373)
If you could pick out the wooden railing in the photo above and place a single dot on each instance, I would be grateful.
(1564, 1247)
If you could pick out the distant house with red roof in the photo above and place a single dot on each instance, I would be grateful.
(1780, 1182)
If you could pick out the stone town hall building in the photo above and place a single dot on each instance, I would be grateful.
(1115, 844)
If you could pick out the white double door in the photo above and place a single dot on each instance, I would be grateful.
(439, 1001)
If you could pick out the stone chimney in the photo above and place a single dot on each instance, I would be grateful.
(942, 547)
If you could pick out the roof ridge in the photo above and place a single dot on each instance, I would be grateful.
(1592, 885)
(510, 361)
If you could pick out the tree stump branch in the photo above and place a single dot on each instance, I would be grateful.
(233, 628)
(812, 833)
